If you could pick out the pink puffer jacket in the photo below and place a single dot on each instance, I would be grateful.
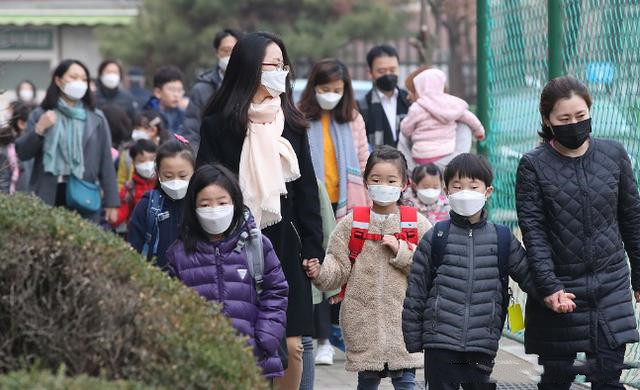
(431, 121)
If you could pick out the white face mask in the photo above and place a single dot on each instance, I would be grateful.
(110, 80)
(176, 189)
(75, 89)
(26, 95)
(275, 81)
(223, 62)
(215, 220)
(467, 203)
(384, 195)
(429, 195)
(139, 134)
(146, 169)
(328, 100)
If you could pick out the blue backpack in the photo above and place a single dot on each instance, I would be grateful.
(439, 241)
(154, 215)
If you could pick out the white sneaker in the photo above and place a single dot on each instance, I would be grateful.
(324, 355)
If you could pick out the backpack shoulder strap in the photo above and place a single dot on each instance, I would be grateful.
(255, 257)
(409, 224)
(504, 249)
(359, 230)
(251, 242)
(439, 239)
(154, 207)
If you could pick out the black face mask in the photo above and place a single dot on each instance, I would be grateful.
(387, 83)
(573, 135)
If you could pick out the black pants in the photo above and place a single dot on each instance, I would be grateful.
(603, 368)
(61, 195)
(322, 320)
(448, 370)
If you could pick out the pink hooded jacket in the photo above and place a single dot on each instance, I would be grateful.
(431, 121)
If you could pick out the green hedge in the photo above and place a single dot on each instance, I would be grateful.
(73, 294)
(44, 380)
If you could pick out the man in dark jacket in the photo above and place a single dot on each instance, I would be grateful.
(385, 105)
(455, 311)
(207, 83)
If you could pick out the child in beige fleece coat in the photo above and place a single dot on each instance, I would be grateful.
(371, 313)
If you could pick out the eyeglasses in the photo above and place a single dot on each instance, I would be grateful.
(279, 66)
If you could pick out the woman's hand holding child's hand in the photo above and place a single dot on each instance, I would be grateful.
(392, 243)
(561, 302)
(312, 268)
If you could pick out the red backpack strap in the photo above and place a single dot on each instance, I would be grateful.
(359, 230)
(408, 225)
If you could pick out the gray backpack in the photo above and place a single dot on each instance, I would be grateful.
(251, 241)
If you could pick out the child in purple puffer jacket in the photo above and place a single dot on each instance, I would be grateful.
(207, 258)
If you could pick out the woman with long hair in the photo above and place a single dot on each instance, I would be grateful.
(252, 127)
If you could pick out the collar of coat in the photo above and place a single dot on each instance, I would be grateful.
(463, 222)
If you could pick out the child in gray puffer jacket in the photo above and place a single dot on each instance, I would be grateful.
(456, 297)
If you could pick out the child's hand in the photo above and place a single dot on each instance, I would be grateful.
(637, 295)
(312, 268)
(335, 299)
(392, 243)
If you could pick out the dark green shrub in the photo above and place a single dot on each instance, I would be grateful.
(72, 294)
(44, 380)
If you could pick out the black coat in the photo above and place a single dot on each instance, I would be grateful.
(299, 235)
(375, 120)
(578, 216)
(118, 97)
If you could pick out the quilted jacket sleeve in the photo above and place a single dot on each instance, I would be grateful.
(533, 224)
(410, 122)
(417, 293)
(519, 269)
(272, 314)
(359, 134)
(629, 217)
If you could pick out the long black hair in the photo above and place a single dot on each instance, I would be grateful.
(190, 230)
(54, 92)
(242, 80)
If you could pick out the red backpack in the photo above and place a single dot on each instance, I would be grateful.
(360, 232)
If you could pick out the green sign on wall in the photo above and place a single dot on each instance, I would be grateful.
(16, 38)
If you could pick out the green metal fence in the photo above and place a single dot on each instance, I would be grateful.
(523, 43)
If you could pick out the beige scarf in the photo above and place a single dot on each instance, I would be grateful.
(267, 162)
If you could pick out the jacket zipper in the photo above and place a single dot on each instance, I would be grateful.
(218, 270)
(435, 314)
(469, 290)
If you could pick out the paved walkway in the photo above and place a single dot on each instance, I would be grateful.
(513, 370)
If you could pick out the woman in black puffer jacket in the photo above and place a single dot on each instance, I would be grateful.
(579, 211)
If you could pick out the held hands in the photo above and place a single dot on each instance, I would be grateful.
(45, 122)
(111, 215)
(561, 302)
(392, 243)
(311, 268)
